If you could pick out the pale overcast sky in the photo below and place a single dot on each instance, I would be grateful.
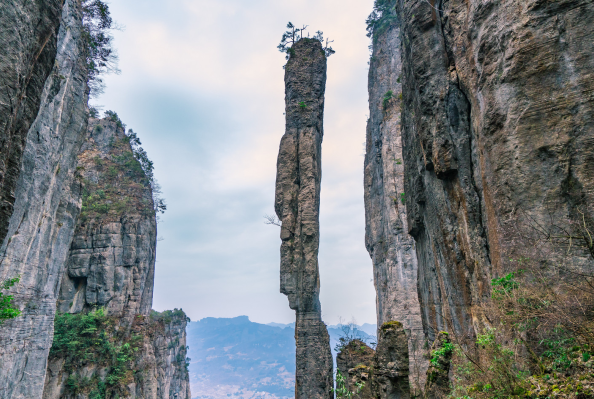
(202, 85)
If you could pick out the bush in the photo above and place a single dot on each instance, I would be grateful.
(7, 308)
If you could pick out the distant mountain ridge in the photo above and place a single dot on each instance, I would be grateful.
(237, 358)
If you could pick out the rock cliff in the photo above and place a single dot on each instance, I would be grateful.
(111, 262)
(391, 248)
(28, 38)
(497, 134)
(45, 199)
(108, 283)
(380, 374)
(297, 204)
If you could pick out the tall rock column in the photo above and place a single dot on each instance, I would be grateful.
(391, 248)
(46, 197)
(498, 126)
(297, 204)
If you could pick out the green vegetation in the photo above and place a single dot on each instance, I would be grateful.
(387, 97)
(382, 16)
(302, 105)
(7, 308)
(443, 352)
(100, 56)
(126, 179)
(82, 339)
(403, 198)
(294, 34)
(341, 390)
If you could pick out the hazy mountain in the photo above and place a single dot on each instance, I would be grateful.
(236, 358)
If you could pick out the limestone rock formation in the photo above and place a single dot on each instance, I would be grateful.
(391, 248)
(158, 368)
(28, 39)
(297, 203)
(497, 133)
(355, 362)
(111, 262)
(111, 266)
(438, 382)
(384, 373)
(391, 373)
(46, 197)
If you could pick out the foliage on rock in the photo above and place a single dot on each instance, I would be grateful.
(383, 14)
(7, 308)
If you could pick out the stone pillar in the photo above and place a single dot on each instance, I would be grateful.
(297, 204)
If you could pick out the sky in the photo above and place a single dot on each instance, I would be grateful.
(201, 83)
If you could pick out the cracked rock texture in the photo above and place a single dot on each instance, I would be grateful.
(28, 39)
(111, 262)
(498, 131)
(297, 204)
(438, 382)
(384, 372)
(46, 197)
(391, 248)
(111, 265)
(160, 363)
(355, 362)
(391, 372)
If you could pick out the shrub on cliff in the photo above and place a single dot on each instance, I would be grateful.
(100, 55)
(383, 14)
(294, 34)
(7, 309)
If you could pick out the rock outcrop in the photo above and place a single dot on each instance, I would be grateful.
(381, 374)
(28, 39)
(108, 281)
(297, 204)
(355, 362)
(438, 382)
(391, 248)
(111, 262)
(38, 169)
(497, 133)
(154, 350)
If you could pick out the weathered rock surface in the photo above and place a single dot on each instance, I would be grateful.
(391, 373)
(497, 132)
(438, 382)
(297, 204)
(355, 362)
(111, 262)
(391, 248)
(28, 39)
(111, 265)
(384, 373)
(46, 197)
(160, 363)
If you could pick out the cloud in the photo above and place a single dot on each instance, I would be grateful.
(202, 85)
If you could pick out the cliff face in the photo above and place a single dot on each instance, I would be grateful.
(391, 248)
(28, 38)
(110, 266)
(147, 361)
(497, 135)
(45, 196)
(297, 204)
(381, 374)
(111, 262)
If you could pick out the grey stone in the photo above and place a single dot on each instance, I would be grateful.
(391, 248)
(297, 204)
(28, 39)
(47, 198)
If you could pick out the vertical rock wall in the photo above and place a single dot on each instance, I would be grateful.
(46, 197)
(391, 248)
(297, 204)
(498, 132)
(111, 262)
(28, 39)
